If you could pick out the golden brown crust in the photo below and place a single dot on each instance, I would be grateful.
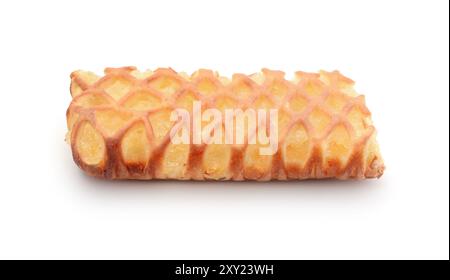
(312, 97)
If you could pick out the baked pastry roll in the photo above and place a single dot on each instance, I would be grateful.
(250, 127)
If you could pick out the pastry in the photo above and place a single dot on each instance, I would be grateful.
(122, 126)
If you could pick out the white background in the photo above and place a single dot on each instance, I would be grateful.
(396, 51)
